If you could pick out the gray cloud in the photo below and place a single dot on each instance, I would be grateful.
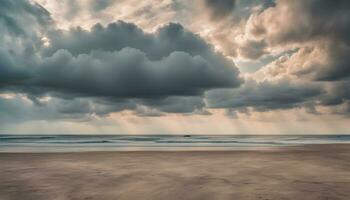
(170, 62)
(72, 9)
(342, 109)
(318, 24)
(18, 42)
(21, 108)
(119, 60)
(338, 93)
(99, 5)
(304, 21)
(220, 8)
(129, 73)
(16, 15)
(110, 69)
(252, 49)
(266, 95)
(167, 39)
(177, 104)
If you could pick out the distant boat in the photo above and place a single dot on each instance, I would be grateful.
(187, 135)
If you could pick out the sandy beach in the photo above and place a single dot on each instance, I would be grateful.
(303, 172)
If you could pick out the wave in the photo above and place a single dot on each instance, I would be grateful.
(171, 140)
(26, 137)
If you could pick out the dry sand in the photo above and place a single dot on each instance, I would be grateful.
(307, 172)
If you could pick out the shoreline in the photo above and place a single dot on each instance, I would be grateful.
(203, 149)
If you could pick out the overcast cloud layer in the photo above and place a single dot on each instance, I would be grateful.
(85, 60)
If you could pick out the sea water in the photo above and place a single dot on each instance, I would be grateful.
(76, 143)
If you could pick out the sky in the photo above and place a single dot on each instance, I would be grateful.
(174, 67)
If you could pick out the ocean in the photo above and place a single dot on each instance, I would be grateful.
(77, 143)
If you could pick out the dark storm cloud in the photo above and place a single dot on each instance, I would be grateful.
(339, 93)
(16, 15)
(120, 60)
(337, 67)
(264, 96)
(220, 8)
(9, 73)
(107, 69)
(18, 41)
(115, 36)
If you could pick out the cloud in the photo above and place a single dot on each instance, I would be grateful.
(99, 5)
(19, 42)
(110, 68)
(318, 25)
(251, 49)
(115, 36)
(302, 21)
(177, 104)
(220, 8)
(15, 15)
(311, 54)
(265, 95)
(120, 60)
(81, 73)
(18, 107)
(129, 73)
(223, 24)
(338, 93)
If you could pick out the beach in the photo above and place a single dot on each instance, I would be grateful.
(291, 172)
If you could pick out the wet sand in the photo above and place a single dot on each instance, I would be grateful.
(305, 172)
